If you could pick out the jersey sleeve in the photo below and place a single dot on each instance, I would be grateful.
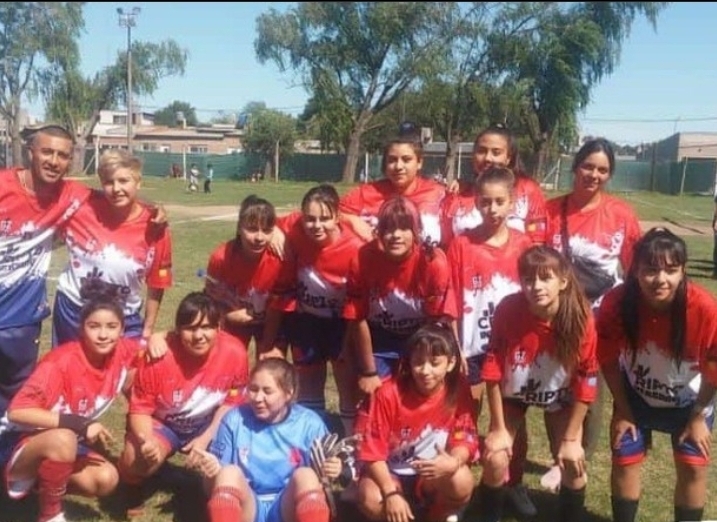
(145, 388)
(160, 272)
(585, 380)
(377, 429)
(352, 202)
(288, 221)
(440, 298)
(464, 432)
(43, 388)
(632, 236)
(283, 292)
(536, 218)
(708, 354)
(356, 303)
(610, 333)
(215, 264)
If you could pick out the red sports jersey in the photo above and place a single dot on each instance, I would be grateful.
(247, 281)
(459, 212)
(403, 425)
(654, 374)
(521, 357)
(398, 296)
(313, 278)
(184, 393)
(119, 258)
(366, 199)
(27, 230)
(65, 382)
(482, 276)
(606, 234)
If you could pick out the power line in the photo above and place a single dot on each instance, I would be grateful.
(648, 120)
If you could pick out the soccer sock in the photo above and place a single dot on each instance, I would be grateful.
(52, 477)
(490, 501)
(685, 514)
(572, 504)
(516, 468)
(311, 506)
(624, 510)
(225, 505)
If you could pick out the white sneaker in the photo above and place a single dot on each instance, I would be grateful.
(60, 517)
(551, 479)
(518, 497)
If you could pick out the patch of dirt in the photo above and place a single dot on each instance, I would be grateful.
(208, 212)
(681, 229)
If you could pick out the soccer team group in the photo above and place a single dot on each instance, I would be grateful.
(428, 301)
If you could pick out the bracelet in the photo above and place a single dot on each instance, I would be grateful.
(76, 423)
(373, 373)
(392, 494)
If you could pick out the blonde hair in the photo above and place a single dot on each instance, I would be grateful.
(115, 159)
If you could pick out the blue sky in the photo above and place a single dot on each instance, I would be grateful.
(666, 80)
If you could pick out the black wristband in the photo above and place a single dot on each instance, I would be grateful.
(369, 374)
(391, 494)
(76, 423)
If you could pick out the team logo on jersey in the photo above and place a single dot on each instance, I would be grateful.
(295, 457)
(177, 397)
(82, 406)
(244, 455)
(519, 357)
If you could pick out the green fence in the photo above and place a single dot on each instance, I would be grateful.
(692, 175)
(689, 176)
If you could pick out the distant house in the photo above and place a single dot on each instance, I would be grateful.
(111, 132)
(682, 145)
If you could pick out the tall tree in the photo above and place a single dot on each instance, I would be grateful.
(168, 115)
(38, 40)
(77, 101)
(360, 55)
(271, 134)
(575, 46)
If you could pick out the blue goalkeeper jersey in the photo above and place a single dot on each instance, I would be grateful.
(268, 454)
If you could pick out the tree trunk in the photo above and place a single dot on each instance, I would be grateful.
(16, 141)
(449, 170)
(542, 160)
(353, 151)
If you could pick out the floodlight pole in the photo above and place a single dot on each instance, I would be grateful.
(128, 19)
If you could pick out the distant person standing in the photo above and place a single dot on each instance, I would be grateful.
(193, 178)
(208, 178)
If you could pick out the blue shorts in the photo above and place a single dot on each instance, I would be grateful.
(268, 507)
(247, 332)
(386, 364)
(666, 420)
(475, 365)
(313, 339)
(171, 439)
(66, 322)
(387, 349)
(19, 349)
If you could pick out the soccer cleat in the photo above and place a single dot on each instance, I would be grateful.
(520, 500)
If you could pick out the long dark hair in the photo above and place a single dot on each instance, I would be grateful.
(591, 147)
(571, 320)
(497, 129)
(659, 247)
(433, 339)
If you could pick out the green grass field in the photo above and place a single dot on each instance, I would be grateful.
(195, 237)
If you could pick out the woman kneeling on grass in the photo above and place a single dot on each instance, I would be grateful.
(258, 467)
(419, 438)
(541, 353)
(54, 439)
(658, 352)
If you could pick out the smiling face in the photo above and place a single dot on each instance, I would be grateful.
(659, 283)
(320, 224)
(50, 159)
(490, 150)
(402, 165)
(429, 371)
(591, 174)
(254, 238)
(198, 338)
(100, 332)
(121, 188)
(268, 400)
(397, 242)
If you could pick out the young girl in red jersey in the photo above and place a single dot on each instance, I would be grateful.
(54, 439)
(420, 436)
(177, 401)
(495, 146)
(658, 353)
(242, 271)
(541, 353)
(484, 265)
(401, 164)
(308, 299)
(395, 285)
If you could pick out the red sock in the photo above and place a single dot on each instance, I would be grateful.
(311, 506)
(52, 477)
(520, 455)
(225, 505)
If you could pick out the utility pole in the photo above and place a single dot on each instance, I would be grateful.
(128, 19)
